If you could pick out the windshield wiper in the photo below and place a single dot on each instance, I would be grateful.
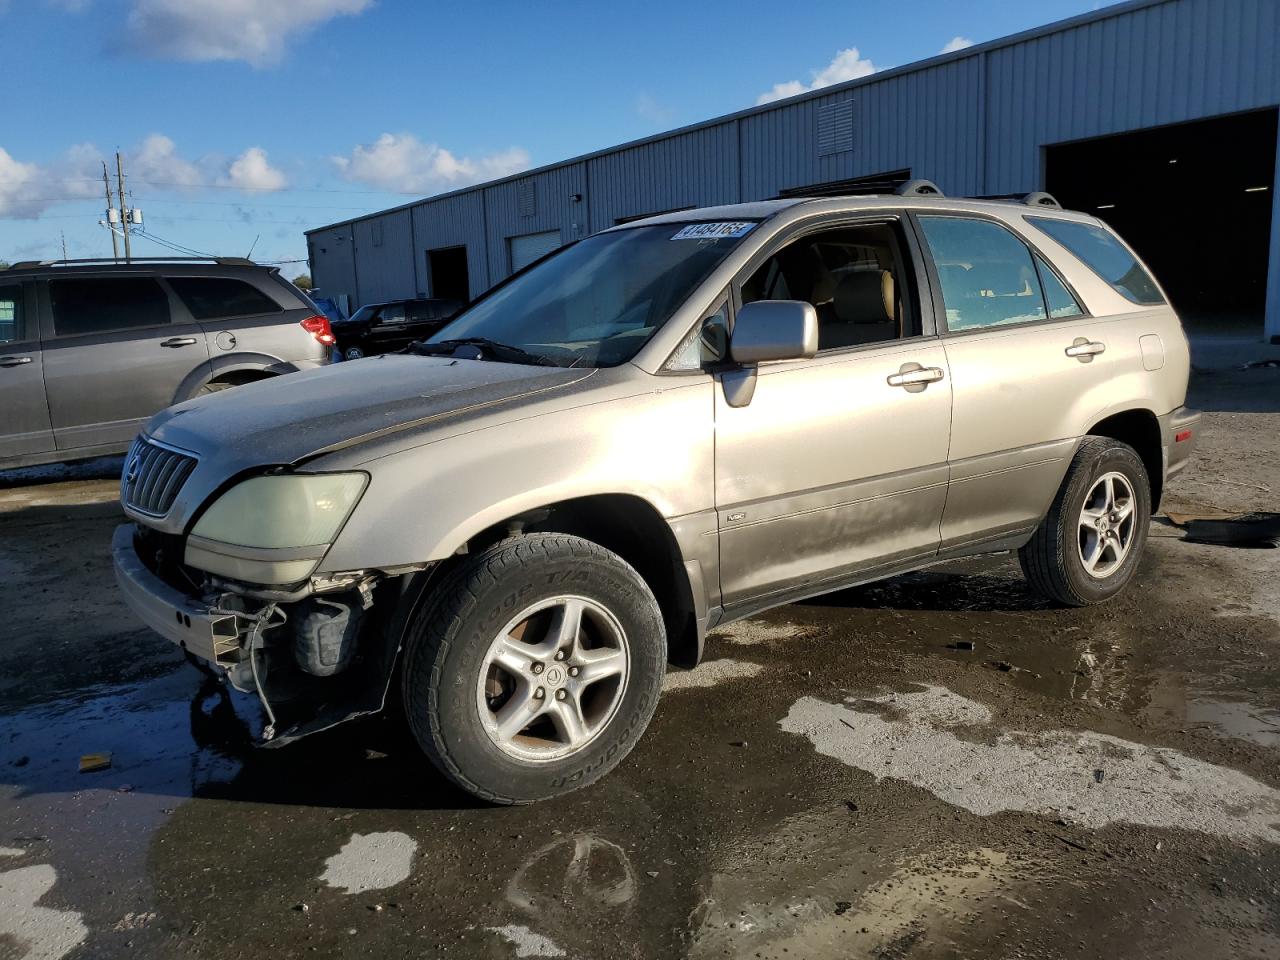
(502, 352)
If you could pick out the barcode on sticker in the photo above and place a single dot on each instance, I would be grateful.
(713, 231)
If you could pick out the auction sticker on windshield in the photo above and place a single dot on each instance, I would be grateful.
(714, 231)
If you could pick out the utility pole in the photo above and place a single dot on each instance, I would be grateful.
(63, 234)
(106, 185)
(124, 212)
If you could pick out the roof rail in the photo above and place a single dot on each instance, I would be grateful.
(221, 261)
(919, 188)
(1039, 198)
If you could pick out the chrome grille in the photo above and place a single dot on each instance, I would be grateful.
(152, 477)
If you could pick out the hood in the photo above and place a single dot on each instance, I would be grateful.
(290, 418)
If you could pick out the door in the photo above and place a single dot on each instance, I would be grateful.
(837, 465)
(24, 412)
(391, 328)
(532, 246)
(113, 357)
(447, 268)
(1029, 369)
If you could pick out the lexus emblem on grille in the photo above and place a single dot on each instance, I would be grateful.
(131, 474)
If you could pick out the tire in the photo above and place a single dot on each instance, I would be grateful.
(457, 696)
(1056, 561)
(352, 353)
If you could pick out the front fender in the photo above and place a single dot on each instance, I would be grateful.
(426, 502)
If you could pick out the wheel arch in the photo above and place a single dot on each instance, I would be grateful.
(1140, 429)
(635, 530)
(236, 368)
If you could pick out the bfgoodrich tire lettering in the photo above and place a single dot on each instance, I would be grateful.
(450, 649)
(1054, 561)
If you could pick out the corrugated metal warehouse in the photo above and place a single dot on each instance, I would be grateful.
(1158, 115)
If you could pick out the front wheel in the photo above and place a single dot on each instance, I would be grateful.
(1089, 545)
(353, 353)
(535, 669)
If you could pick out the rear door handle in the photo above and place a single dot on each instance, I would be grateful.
(178, 342)
(13, 361)
(1085, 350)
(914, 378)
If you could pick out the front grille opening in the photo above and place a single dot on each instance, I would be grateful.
(153, 477)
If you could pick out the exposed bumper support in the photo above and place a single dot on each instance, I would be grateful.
(213, 637)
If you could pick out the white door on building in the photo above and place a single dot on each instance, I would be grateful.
(531, 246)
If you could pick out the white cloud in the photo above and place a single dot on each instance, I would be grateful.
(251, 30)
(956, 43)
(28, 189)
(402, 163)
(253, 171)
(846, 65)
(157, 162)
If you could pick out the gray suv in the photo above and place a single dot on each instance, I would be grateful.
(89, 350)
(514, 526)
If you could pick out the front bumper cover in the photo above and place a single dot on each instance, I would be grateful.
(213, 636)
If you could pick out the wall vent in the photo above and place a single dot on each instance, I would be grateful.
(527, 198)
(835, 128)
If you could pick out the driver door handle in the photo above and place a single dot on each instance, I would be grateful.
(921, 376)
(13, 361)
(178, 342)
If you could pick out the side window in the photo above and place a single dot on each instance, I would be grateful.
(988, 277)
(420, 310)
(1104, 255)
(11, 318)
(103, 304)
(707, 343)
(392, 313)
(1060, 301)
(209, 298)
(856, 278)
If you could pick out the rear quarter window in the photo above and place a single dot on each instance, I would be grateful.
(1106, 256)
(210, 298)
(103, 304)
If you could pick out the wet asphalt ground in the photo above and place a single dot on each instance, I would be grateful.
(940, 765)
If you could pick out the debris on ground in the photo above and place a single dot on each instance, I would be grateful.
(1257, 529)
(962, 645)
(93, 762)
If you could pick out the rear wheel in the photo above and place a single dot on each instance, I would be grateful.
(535, 669)
(1089, 545)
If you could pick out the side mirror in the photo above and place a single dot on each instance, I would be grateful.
(774, 330)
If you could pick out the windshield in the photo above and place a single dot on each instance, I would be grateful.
(596, 303)
(364, 313)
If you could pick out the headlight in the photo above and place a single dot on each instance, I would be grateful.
(274, 529)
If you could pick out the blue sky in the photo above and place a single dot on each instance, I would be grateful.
(244, 119)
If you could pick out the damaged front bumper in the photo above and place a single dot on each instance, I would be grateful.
(240, 635)
(200, 631)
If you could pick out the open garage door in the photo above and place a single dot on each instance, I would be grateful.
(1195, 201)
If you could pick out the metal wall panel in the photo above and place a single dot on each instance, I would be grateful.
(1166, 63)
(384, 257)
(333, 268)
(554, 208)
(694, 169)
(452, 221)
(975, 122)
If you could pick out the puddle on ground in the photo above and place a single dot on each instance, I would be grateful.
(949, 745)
